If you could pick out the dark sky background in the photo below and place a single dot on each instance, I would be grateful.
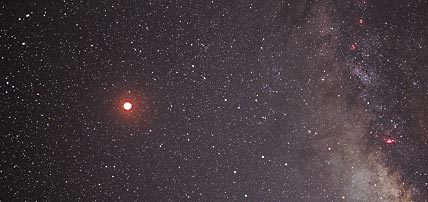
(279, 100)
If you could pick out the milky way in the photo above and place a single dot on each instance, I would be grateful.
(231, 101)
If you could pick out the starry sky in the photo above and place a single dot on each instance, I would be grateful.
(246, 100)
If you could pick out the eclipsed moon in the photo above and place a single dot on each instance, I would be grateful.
(127, 106)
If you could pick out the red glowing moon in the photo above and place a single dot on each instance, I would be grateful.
(127, 106)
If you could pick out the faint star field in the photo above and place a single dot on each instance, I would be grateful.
(317, 100)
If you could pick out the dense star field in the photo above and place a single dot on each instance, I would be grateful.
(222, 100)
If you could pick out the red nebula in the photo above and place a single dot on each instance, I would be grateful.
(390, 140)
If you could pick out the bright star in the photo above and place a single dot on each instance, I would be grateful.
(127, 106)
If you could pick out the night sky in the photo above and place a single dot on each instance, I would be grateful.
(279, 100)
